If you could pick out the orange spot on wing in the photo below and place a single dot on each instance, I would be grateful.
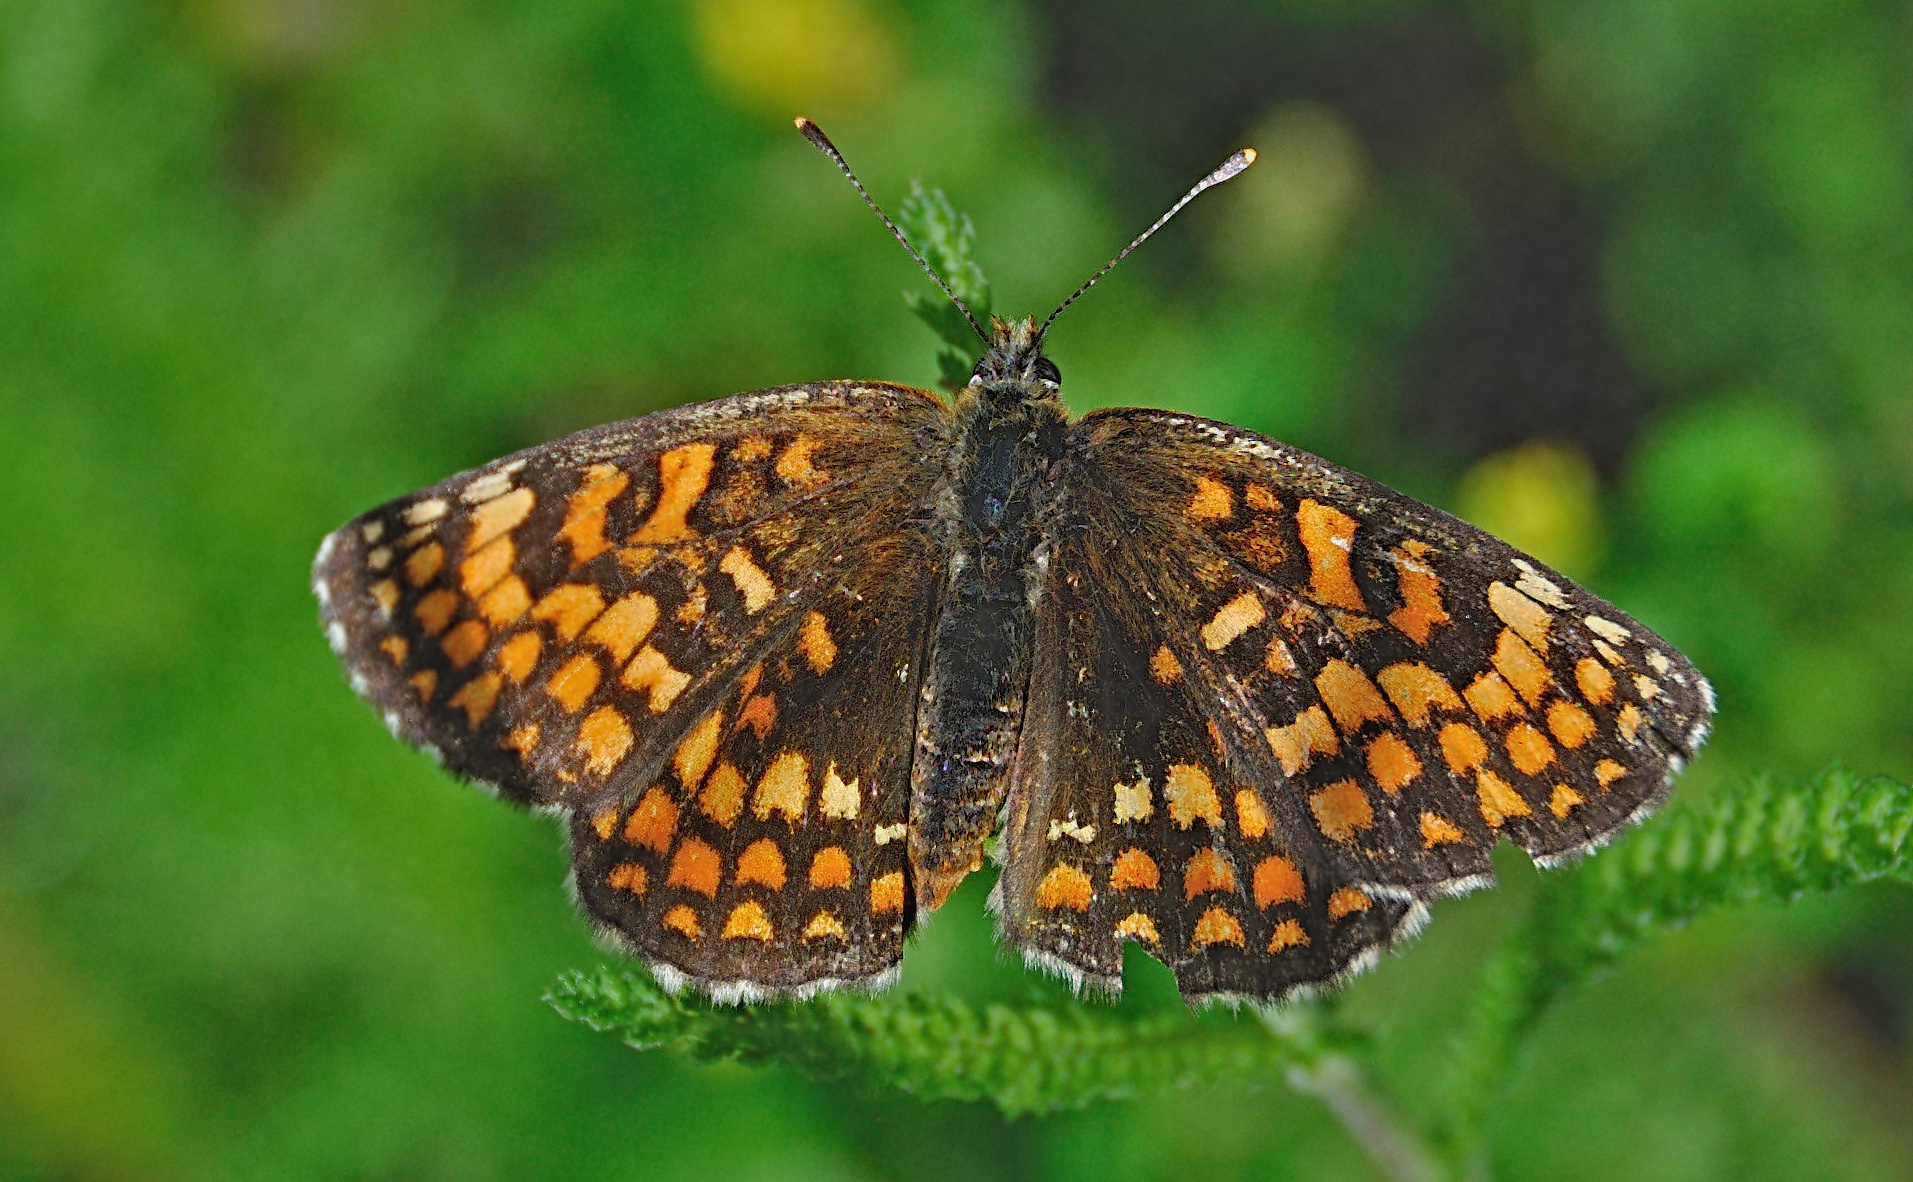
(748, 922)
(752, 583)
(1261, 499)
(386, 594)
(396, 648)
(574, 682)
(1231, 620)
(568, 607)
(436, 610)
(683, 475)
(498, 516)
(1528, 619)
(1137, 926)
(624, 625)
(1421, 610)
(1250, 816)
(695, 867)
(1518, 663)
(1134, 871)
(604, 739)
(1288, 934)
(424, 683)
(476, 698)
(518, 656)
(651, 670)
(1064, 886)
(604, 823)
(815, 643)
(723, 795)
(1279, 660)
(1297, 744)
(824, 925)
(760, 714)
(1418, 691)
(505, 602)
(1528, 749)
(1498, 799)
(1607, 771)
(482, 569)
(682, 920)
(785, 788)
(464, 642)
(1341, 810)
(523, 740)
(1490, 698)
(1164, 667)
(1350, 696)
(585, 512)
(1277, 881)
(795, 465)
(1328, 534)
(1392, 762)
(1217, 926)
(886, 893)
(1191, 796)
(1563, 800)
(1628, 722)
(1597, 684)
(695, 753)
(830, 869)
(423, 564)
(1212, 502)
(628, 876)
(762, 862)
(1347, 901)
(1439, 830)
(1462, 747)
(1570, 724)
(1207, 871)
(653, 822)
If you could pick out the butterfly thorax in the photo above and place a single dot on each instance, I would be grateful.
(1010, 425)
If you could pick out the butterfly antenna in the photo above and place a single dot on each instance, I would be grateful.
(1229, 168)
(821, 142)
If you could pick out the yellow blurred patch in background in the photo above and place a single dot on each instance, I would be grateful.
(1287, 217)
(790, 57)
(1543, 497)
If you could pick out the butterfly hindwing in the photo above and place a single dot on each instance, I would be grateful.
(1131, 820)
(701, 633)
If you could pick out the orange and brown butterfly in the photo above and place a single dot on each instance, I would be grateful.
(786, 662)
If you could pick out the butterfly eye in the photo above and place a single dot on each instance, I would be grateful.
(1046, 371)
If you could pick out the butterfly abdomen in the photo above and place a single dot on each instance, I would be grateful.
(1009, 435)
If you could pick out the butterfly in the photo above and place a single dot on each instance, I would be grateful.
(791, 664)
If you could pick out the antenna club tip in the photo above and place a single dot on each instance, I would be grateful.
(1248, 154)
(803, 122)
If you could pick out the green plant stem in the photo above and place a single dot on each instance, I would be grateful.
(1372, 1123)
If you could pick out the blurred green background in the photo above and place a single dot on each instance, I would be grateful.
(1630, 281)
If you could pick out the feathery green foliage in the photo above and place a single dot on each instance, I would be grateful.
(1030, 1059)
(1766, 843)
(948, 242)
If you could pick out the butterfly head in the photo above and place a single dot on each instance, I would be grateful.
(1015, 363)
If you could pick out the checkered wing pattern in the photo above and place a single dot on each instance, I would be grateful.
(700, 633)
(1277, 704)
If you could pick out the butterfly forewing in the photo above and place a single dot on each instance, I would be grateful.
(1417, 687)
(687, 630)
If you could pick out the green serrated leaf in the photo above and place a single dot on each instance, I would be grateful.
(1767, 843)
(1023, 1060)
